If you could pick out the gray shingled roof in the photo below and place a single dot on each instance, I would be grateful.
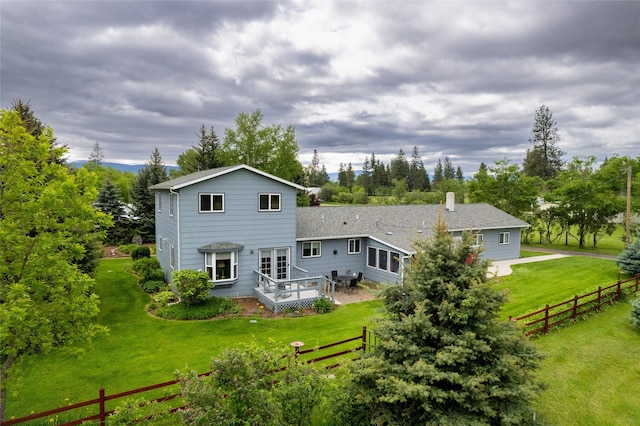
(398, 225)
(196, 177)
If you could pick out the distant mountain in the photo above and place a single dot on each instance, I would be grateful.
(133, 168)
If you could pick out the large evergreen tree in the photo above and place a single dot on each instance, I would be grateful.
(629, 259)
(418, 176)
(442, 356)
(399, 167)
(545, 158)
(203, 156)
(109, 202)
(143, 198)
(46, 218)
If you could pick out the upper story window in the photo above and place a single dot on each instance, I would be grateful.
(311, 249)
(504, 238)
(173, 202)
(269, 202)
(479, 240)
(354, 246)
(159, 201)
(211, 203)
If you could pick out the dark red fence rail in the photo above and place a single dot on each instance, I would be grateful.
(365, 341)
(550, 316)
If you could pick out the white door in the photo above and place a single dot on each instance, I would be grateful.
(274, 262)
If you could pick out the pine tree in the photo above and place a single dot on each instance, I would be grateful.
(545, 158)
(109, 202)
(143, 198)
(629, 260)
(438, 174)
(97, 155)
(442, 356)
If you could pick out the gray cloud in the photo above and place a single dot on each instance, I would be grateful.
(457, 79)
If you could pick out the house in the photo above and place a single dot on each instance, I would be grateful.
(242, 227)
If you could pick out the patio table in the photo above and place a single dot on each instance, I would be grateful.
(345, 279)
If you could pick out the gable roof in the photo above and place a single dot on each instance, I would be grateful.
(203, 175)
(398, 225)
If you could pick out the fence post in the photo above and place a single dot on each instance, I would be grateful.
(599, 297)
(364, 338)
(575, 306)
(618, 290)
(546, 319)
(103, 416)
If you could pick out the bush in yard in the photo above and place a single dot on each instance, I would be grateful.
(244, 389)
(148, 269)
(635, 312)
(193, 286)
(629, 260)
(140, 252)
(210, 308)
(322, 305)
(153, 286)
(442, 355)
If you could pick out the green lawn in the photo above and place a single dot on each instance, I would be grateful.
(533, 285)
(142, 350)
(592, 368)
(607, 244)
(593, 371)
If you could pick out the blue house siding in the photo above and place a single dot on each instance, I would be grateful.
(341, 261)
(246, 231)
(241, 222)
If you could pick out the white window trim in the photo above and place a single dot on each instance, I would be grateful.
(159, 199)
(359, 244)
(172, 256)
(211, 195)
(173, 199)
(504, 238)
(213, 266)
(311, 244)
(479, 240)
(159, 243)
(270, 209)
(387, 267)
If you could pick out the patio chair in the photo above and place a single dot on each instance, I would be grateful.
(359, 276)
(353, 285)
(334, 274)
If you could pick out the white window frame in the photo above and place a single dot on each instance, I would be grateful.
(390, 264)
(159, 200)
(504, 238)
(313, 247)
(159, 243)
(211, 196)
(172, 256)
(354, 246)
(172, 203)
(212, 262)
(271, 196)
(479, 240)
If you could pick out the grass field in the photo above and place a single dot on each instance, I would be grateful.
(611, 245)
(592, 368)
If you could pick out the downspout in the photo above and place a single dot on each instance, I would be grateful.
(177, 216)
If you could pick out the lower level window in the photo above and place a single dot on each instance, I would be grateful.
(504, 238)
(221, 266)
(311, 249)
(383, 259)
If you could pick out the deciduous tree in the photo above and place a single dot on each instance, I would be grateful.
(272, 149)
(46, 216)
(442, 355)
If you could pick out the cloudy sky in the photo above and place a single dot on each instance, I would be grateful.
(461, 79)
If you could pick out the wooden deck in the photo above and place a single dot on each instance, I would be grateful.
(279, 296)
